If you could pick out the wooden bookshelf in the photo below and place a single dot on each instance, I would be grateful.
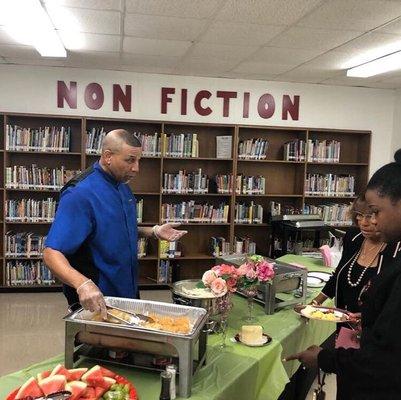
(285, 181)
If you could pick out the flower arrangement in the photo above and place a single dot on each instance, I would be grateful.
(225, 278)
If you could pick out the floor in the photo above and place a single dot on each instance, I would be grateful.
(31, 330)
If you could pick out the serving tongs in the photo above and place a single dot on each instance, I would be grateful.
(128, 317)
(64, 395)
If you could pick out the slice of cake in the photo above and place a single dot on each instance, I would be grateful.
(251, 334)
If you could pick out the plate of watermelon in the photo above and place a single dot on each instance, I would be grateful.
(80, 384)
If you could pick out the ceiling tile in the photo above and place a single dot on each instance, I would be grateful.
(221, 51)
(155, 47)
(93, 21)
(349, 81)
(258, 77)
(91, 42)
(307, 74)
(5, 38)
(46, 62)
(155, 27)
(97, 59)
(312, 39)
(265, 11)
(149, 69)
(26, 52)
(394, 28)
(332, 60)
(370, 41)
(204, 65)
(359, 15)
(91, 4)
(174, 8)
(283, 56)
(144, 61)
(240, 34)
(250, 67)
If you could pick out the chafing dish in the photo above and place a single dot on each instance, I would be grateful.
(80, 329)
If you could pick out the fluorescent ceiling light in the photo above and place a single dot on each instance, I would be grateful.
(384, 64)
(28, 23)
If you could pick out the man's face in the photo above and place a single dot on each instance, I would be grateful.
(386, 216)
(124, 164)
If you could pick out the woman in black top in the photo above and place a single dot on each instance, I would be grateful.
(364, 255)
(372, 372)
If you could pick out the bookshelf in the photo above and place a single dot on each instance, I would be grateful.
(284, 181)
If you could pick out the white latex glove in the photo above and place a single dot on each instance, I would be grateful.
(168, 232)
(91, 298)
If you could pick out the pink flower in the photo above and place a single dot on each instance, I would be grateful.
(265, 271)
(242, 269)
(231, 284)
(251, 274)
(224, 269)
(208, 277)
(219, 286)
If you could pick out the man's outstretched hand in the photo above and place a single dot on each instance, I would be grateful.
(168, 232)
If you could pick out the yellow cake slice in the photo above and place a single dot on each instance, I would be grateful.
(251, 334)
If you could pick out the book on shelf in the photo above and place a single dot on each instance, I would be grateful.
(189, 211)
(244, 245)
(180, 145)
(329, 185)
(38, 178)
(252, 185)
(42, 139)
(295, 150)
(24, 244)
(323, 151)
(183, 182)
(220, 246)
(169, 249)
(94, 140)
(276, 209)
(224, 146)
(139, 211)
(248, 213)
(30, 210)
(164, 272)
(30, 272)
(253, 149)
(151, 144)
(223, 183)
(142, 247)
(332, 214)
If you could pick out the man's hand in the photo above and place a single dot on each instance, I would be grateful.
(91, 298)
(167, 232)
(307, 357)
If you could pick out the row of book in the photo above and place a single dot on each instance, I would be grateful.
(248, 213)
(189, 211)
(139, 211)
(164, 272)
(94, 140)
(333, 214)
(33, 272)
(250, 184)
(39, 178)
(24, 244)
(42, 139)
(142, 247)
(30, 210)
(151, 144)
(169, 249)
(295, 150)
(329, 185)
(224, 183)
(180, 145)
(253, 149)
(220, 246)
(182, 182)
(323, 151)
(276, 208)
(244, 245)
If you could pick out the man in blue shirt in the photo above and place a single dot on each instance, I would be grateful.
(92, 244)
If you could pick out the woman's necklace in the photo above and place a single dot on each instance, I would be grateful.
(349, 273)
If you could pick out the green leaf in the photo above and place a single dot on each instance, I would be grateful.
(200, 285)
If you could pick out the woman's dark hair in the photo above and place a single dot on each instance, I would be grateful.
(387, 180)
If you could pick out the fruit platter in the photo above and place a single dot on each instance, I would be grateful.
(96, 383)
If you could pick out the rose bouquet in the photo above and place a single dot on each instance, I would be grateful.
(256, 270)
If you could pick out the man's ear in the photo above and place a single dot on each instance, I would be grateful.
(107, 154)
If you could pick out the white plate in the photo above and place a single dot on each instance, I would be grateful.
(266, 339)
(324, 276)
(314, 282)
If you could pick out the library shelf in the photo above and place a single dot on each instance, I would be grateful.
(240, 160)
(23, 258)
(198, 194)
(27, 223)
(197, 158)
(330, 197)
(33, 190)
(51, 153)
(340, 164)
(251, 225)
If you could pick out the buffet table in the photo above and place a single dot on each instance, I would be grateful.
(236, 372)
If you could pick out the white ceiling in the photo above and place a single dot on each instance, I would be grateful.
(282, 40)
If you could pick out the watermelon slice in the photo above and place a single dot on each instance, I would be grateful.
(12, 395)
(99, 392)
(76, 388)
(29, 388)
(59, 369)
(42, 375)
(76, 374)
(93, 372)
(89, 393)
(107, 372)
(53, 384)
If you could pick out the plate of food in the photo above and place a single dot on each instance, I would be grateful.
(253, 336)
(320, 313)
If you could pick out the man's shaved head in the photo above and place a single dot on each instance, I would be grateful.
(115, 139)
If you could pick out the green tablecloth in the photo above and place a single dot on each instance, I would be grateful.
(237, 372)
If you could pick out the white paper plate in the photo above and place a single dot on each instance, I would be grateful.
(324, 276)
(314, 282)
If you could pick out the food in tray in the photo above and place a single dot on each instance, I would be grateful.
(95, 383)
(324, 314)
(251, 334)
(169, 323)
(201, 293)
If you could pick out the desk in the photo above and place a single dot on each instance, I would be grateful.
(237, 372)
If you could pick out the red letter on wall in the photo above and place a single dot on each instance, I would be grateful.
(184, 97)
(119, 97)
(67, 94)
(266, 105)
(245, 108)
(165, 99)
(290, 107)
(226, 100)
(94, 96)
(202, 94)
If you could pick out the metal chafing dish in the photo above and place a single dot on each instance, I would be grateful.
(85, 337)
(288, 279)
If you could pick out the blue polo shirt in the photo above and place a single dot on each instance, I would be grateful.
(100, 213)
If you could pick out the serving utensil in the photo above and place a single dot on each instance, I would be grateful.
(128, 317)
